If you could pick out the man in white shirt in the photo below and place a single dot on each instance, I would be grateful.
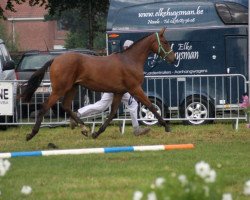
(106, 101)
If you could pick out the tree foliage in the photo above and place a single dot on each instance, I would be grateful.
(8, 41)
(10, 5)
(87, 15)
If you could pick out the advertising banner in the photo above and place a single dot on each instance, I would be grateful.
(6, 98)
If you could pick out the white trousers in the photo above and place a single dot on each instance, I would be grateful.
(106, 101)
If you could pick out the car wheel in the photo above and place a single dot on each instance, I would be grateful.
(146, 116)
(196, 110)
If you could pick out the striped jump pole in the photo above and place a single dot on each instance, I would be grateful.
(96, 150)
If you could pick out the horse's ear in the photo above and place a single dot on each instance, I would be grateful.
(162, 31)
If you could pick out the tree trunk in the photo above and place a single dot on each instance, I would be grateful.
(91, 34)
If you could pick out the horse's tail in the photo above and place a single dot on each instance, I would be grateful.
(34, 82)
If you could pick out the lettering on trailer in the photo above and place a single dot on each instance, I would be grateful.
(184, 52)
(172, 16)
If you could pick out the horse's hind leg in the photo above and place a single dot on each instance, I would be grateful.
(114, 107)
(139, 94)
(46, 106)
(67, 100)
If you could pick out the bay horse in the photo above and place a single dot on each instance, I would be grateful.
(117, 73)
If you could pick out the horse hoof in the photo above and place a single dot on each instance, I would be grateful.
(72, 123)
(95, 135)
(85, 131)
(29, 137)
(167, 129)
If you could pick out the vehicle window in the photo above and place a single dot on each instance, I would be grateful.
(34, 62)
(232, 13)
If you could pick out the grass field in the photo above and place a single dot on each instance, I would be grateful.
(117, 176)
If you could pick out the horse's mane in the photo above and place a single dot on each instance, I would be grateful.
(131, 46)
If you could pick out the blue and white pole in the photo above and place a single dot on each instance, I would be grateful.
(96, 150)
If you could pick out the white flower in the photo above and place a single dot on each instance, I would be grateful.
(247, 188)
(247, 183)
(4, 166)
(2, 170)
(159, 182)
(227, 196)
(137, 195)
(211, 176)
(183, 179)
(26, 189)
(152, 196)
(202, 169)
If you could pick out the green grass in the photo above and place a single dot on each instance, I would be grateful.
(117, 176)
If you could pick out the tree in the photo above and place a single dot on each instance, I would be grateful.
(9, 43)
(91, 10)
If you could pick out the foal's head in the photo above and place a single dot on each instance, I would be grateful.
(162, 47)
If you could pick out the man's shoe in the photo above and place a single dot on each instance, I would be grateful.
(141, 131)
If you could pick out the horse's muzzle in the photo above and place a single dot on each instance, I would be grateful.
(174, 61)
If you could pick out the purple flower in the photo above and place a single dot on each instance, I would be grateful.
(245, 102)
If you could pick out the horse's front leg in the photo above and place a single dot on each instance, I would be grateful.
(46, 106)
(114, 107)
(138, 93)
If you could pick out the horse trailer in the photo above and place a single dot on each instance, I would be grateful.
(209, 37)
